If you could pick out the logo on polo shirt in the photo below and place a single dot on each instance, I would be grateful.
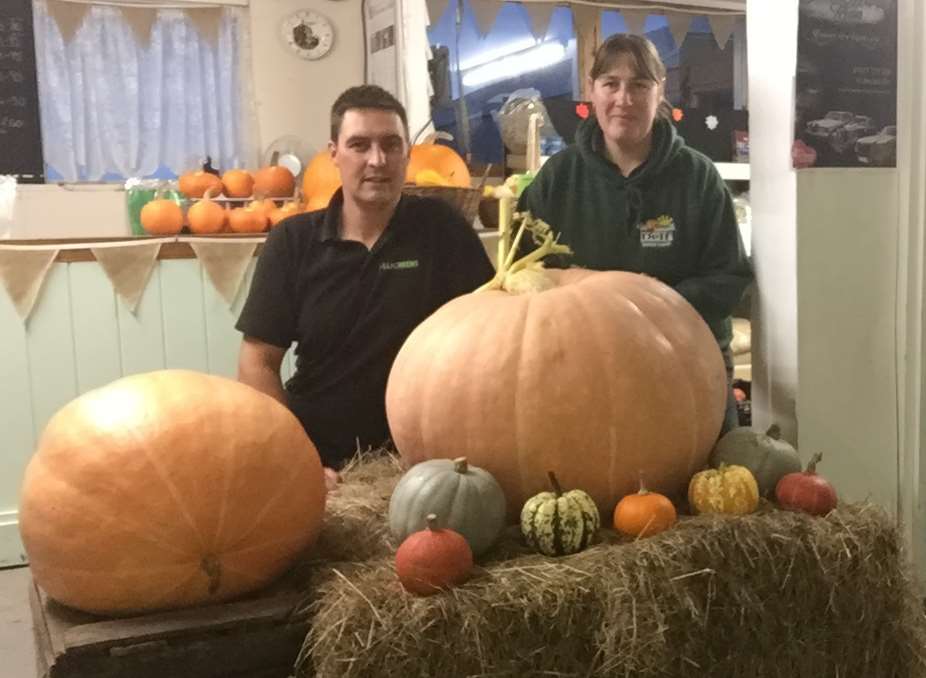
(398, 265)
(658, 232)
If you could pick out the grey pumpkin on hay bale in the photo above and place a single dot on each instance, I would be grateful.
(770, 594)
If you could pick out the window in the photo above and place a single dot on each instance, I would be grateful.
(114, 106)
(702, 78)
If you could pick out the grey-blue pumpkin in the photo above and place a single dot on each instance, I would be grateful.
(765, 454)
(468, 499)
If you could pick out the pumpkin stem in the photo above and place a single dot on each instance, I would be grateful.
(460, 465)
(274, 158)
(213, 569)
(643, 489)
(774, 432)
(543, 237)
(431, 521)
(554, 483)
(814, 460)
(208, 168)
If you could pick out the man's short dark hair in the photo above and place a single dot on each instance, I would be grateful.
(365, 96)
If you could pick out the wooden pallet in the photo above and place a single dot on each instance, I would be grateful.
(253, 638)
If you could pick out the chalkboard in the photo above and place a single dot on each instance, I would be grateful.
(20, 131)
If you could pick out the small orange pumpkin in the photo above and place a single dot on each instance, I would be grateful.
(162, 217)
(250, 219)
(320, 181)
(280, 213)
(195, 184)
(644, 513)
(238, 183)
(433, 559)
(275, 181)
(207, 217)
(439, 158)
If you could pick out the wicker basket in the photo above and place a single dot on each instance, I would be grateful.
(464, 199)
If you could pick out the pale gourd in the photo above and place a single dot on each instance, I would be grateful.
(766, 455)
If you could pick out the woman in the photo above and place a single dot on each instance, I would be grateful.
(630, 196)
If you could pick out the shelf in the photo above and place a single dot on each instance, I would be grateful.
(733, 171)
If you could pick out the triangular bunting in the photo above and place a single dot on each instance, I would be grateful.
(128, 268)
(584, 19)
(207, 21)
(635, 20)
(485, 12)
(436, 9)
(22, 273)
(141, 19)
(68, 15)
(722, 26)
(539, 14)
(679, 23)
(226, 264)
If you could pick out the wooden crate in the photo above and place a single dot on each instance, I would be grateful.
(252, 638)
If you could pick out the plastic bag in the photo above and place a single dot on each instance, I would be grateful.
(139, 192)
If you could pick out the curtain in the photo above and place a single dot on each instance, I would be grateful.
(110, 105)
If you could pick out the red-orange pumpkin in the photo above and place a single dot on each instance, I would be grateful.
(238, 183)
(644, 513)
(162, 217)
(320, 181)
(168, 489)
(602, 376)
(195, 184)
(207, 217)
(274, 181)
(250, 219)
(433, 559)
(806, 491)
(440, 158)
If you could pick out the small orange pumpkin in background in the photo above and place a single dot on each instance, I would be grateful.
(195, 184)
(250, 219)
(162, 217)
(274, 181)
(280, 213)
(433, 559)
(207, 217)
(438, 158)
(238, 183)
(644, 513)
(320, 181)
(168, 489)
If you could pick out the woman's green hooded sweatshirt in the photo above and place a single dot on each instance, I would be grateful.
(672, 218)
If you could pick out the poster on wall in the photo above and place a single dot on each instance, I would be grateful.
(846, 84)
(382, 56)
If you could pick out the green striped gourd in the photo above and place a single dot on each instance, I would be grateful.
(468, 499)
(558, 523)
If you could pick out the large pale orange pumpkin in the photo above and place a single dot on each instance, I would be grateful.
(441, 159)
(320, 181)
(601, 377)
(168, 489)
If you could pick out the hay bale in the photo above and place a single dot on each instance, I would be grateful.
(770, 594)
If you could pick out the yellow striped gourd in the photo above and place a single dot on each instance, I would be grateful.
(559, 523)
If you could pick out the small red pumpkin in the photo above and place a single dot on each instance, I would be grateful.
(433, 559)
(806, 491)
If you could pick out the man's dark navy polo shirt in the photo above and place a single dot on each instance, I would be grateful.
(349, 309)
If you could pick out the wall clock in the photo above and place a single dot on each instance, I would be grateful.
(309, 34)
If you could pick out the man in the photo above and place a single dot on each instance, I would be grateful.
(349, 283)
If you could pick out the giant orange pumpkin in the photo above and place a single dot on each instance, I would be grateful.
(168, 489)
(599, 377)
(441, 159)
(320, 181)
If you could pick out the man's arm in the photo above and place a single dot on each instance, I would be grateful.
(259, 367)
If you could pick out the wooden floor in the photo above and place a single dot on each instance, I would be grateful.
(17, 652)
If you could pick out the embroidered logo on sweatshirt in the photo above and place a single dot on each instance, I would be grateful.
(398, 265)
(658, 232)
